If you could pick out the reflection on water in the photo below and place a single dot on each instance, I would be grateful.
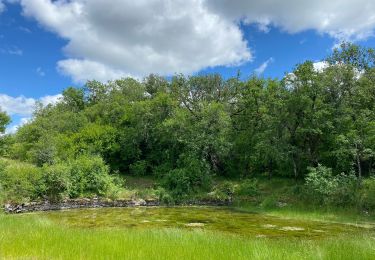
(197, 218)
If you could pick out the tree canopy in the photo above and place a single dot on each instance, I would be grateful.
(187, 129)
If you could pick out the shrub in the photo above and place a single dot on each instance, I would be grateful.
(57, 181)
(269, 203)
(191, 176)
(84, 176)
(222, 191)
(324, 188)
(179, 181)
(368, 194)
(347, 192)
(320, 182)
(138, 168)
(160, 170)
(115, 186)
(89, 175)
(165, 197)
(248, 187)
(20, 182)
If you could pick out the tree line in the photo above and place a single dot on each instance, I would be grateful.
(185, 130)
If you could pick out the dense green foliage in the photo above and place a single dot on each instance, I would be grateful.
(326, 188)
(19, 181)
(184, 131)
(85, 176)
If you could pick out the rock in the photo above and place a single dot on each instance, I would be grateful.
(269, 226)
(194, 225)
(140, 202)
(84, 203)
(292, 229)
(282, 204)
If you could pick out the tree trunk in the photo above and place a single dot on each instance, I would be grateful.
(358, 163)
(295, 167)
(359, 167)
(270, 169)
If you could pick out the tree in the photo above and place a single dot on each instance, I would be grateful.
(5, 141)
(4, 121)
(74, 99)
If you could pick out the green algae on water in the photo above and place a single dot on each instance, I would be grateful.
(213, 219)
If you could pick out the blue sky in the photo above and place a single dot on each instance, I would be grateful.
(46, 46)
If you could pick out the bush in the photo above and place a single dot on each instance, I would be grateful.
(90, 175)
(84, 176)
(269, 203)
(192, 175)
(324, 188)
(222, 191)
(248, 187)
(165, 197)
(57, 181)
(347, 191)
(368, 194)
(20, 182)
(138, 168)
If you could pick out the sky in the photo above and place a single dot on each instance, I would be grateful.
(48, 45)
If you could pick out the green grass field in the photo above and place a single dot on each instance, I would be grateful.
(30, 237)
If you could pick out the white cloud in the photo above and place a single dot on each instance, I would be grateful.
(24, 29)
(17, 105)
(319, 66)
(2, 6)
(111, 39)
(341, 19)
(23, 106)
(12, 51)
(263, 66)
(127, 37)
(83, 70)
(40, 72)
(12, 129)
(53, 99)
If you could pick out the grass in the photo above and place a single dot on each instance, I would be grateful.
(30, 237)
(333, 215)
(270, 193)
(283, 190)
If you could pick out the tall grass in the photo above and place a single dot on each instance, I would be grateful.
(30, 237)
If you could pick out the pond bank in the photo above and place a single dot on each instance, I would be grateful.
(96, 203)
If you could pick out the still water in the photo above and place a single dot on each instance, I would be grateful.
(224, 220)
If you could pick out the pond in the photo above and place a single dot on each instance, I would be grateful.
(224, 220)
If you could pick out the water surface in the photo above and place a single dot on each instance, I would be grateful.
(215, 219)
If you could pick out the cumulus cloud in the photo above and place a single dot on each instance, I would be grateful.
(124, 37)
(24, 106)
(50, 99)
(319, 66)
(83, 70)
(12, 129)
(341, 19)
(12, 51)
(2, 6)
(40, 72)
(111, 39)
(263, 66)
